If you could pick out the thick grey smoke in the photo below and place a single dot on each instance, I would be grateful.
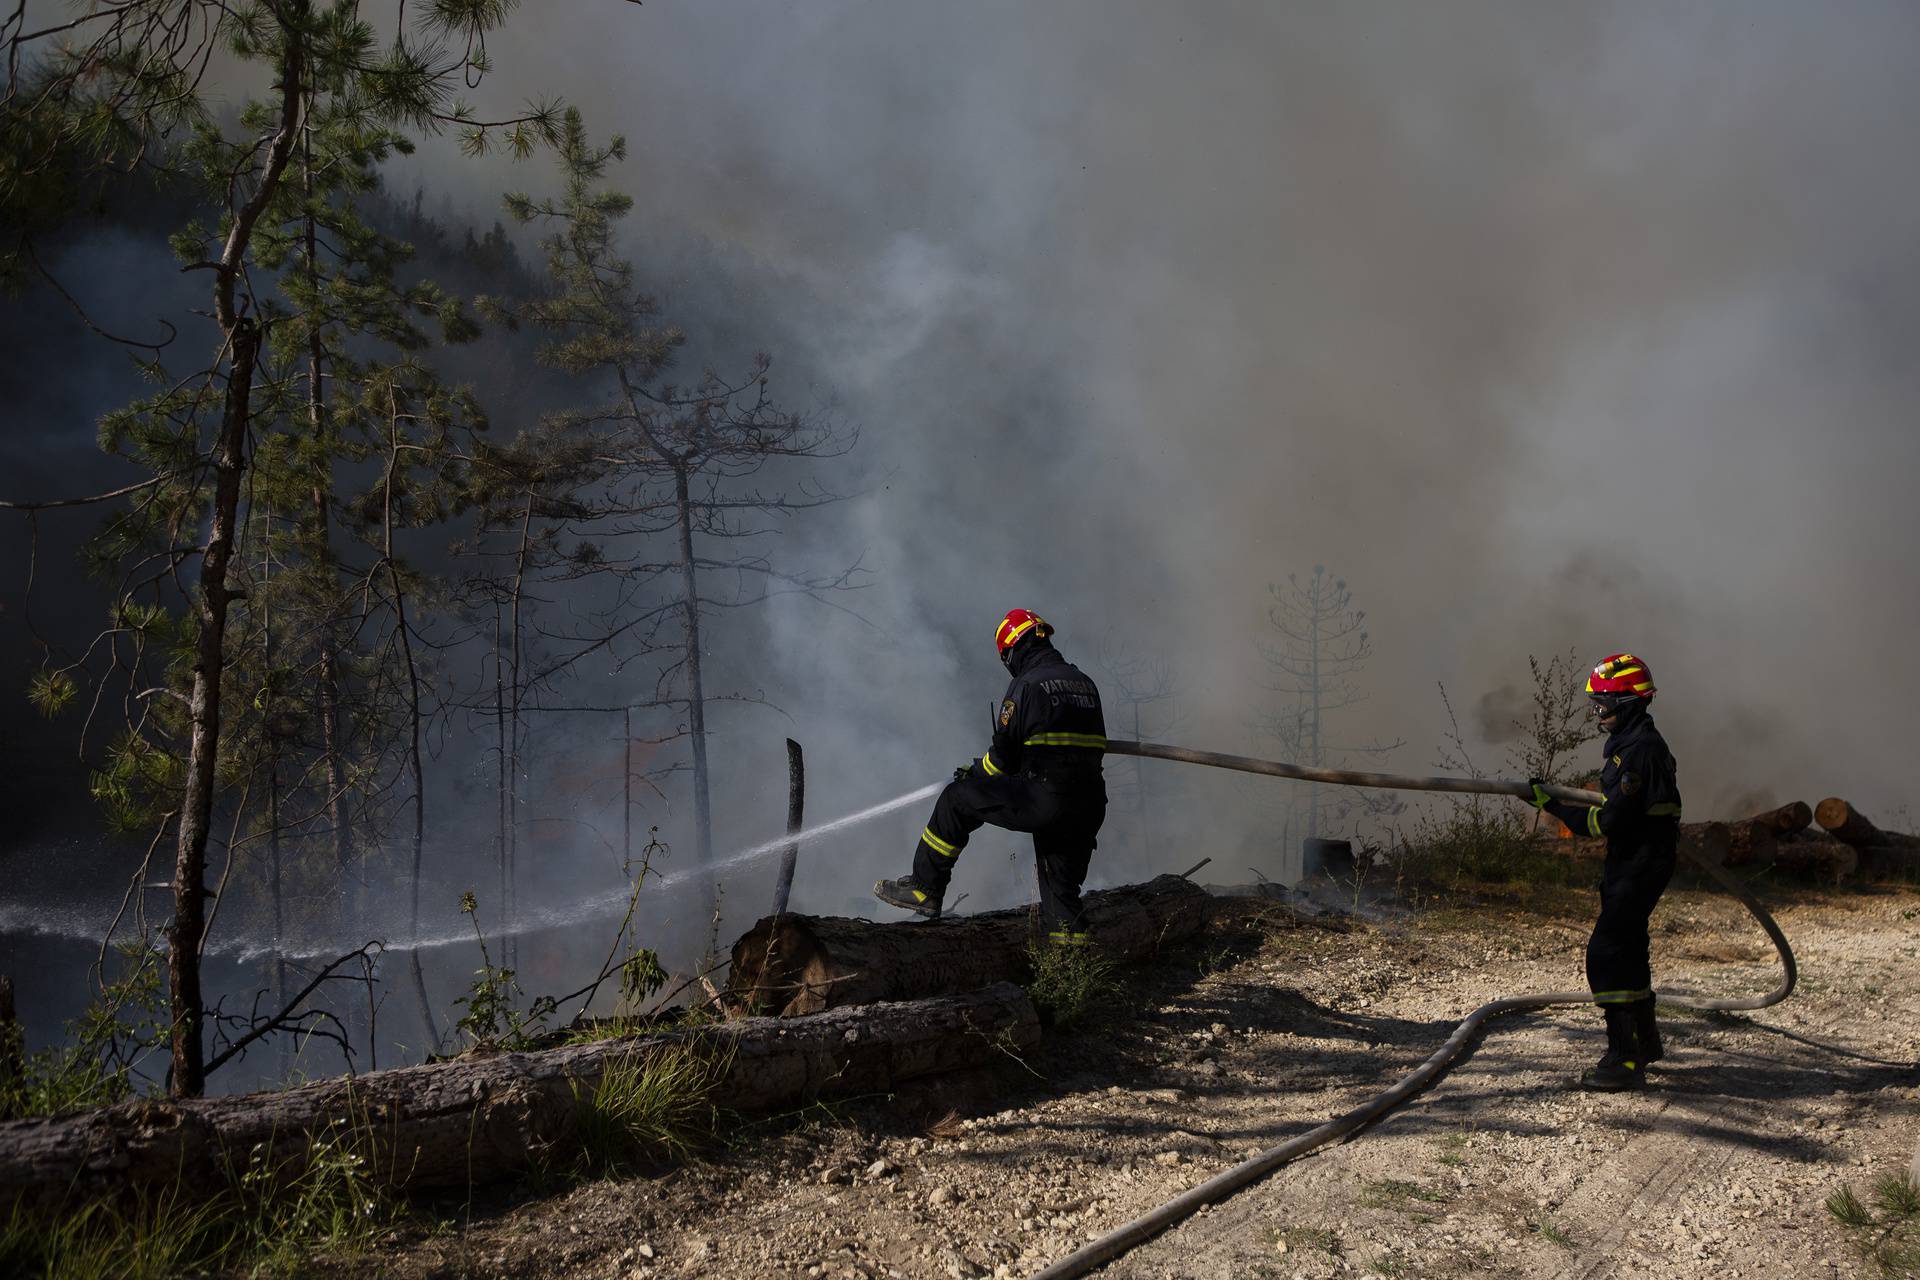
(1544, 326)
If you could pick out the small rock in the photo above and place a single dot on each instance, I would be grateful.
(644, 1249)
(1168, 1158)
(941, 1197)
(882, 1168)
(1280, 1246)
(1218, 1028)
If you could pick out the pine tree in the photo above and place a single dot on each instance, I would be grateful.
(122, 86)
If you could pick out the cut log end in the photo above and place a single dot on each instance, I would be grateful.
(1846, 823)
(1833, 813)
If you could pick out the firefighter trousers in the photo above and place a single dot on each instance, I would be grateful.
(1619, 970)
(1063, 817)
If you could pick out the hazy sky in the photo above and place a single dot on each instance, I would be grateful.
(1545, 325)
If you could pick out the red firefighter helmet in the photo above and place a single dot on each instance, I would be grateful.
(1018, 624)
(1621, 679)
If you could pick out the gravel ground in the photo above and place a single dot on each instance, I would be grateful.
(1270, 1025)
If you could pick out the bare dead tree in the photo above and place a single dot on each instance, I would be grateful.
(690, 477)
(1138, 681)
(1314, 663)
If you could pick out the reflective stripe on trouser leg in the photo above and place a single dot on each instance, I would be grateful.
(1069, 937)
(1631, 882)
(945, 835)
(933, 859)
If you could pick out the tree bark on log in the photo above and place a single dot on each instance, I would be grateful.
(1788, 818)
(1713, 841)
(1753, 842)
(481, 1118)
(1816, 859)
(1847, 824)
(797, 964)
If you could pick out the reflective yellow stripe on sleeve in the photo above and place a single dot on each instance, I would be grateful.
(993, 770)
(1096, 741)
(1593, 822)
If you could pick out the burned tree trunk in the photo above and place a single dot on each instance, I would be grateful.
(795, 964)
(479, 1119)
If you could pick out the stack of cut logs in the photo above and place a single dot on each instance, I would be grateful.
(1828, 841)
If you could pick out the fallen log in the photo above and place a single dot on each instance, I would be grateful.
(1847, 824)
(1897, 862)
(1816, 859)
(1711, 841)
(796, 964)
(481, 1118)
(1797, 816)
(1752, 842)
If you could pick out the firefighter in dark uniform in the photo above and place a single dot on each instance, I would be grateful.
(1041, 775)
(1641, 821)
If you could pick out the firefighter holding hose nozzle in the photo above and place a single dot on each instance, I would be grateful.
(1641, 821)
(1041, 775)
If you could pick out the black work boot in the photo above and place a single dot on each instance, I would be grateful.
(1621, 1067)
(1646, 1032)
(910, 894)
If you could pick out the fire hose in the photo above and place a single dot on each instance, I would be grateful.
(1106, 1248)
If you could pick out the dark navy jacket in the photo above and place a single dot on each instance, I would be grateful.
(1642, 788)
(1050, 723)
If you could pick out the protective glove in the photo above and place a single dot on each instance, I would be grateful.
(964, 772)
(1540, 798)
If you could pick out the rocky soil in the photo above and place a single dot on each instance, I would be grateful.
(1267, 1027)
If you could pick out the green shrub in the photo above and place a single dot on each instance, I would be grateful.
(1481, 840)
(646, 1105)
(1070, 983)
(268, 1221)
(98, 1062)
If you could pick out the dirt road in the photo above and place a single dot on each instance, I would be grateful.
(1265, 1029)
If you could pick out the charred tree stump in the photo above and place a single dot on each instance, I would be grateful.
(796, 807)
(481, 1118)
(796, 964)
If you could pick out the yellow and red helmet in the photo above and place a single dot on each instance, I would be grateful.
(1016, 626)
(1620, 678)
